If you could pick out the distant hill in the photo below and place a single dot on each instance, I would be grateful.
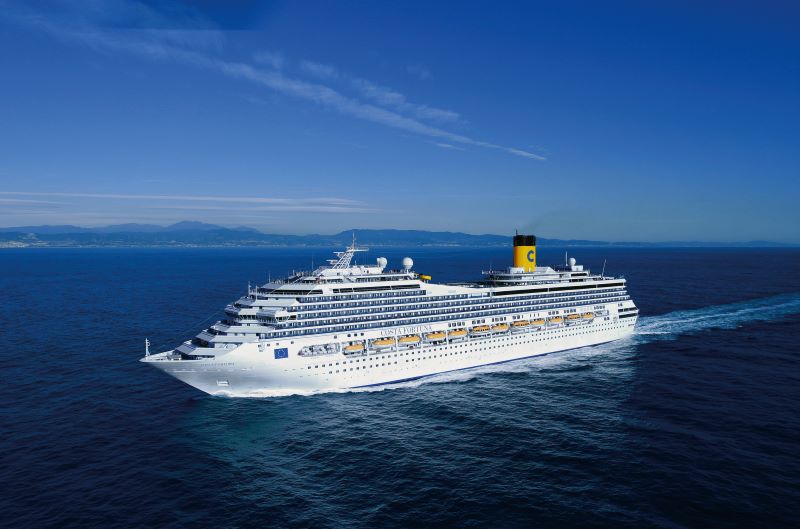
(186, 225)
(192, 233)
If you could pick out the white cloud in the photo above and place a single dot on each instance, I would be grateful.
(377, 94)
(448, 146)
(297, 208)
(321, 71)
(419, 71)
(339, 204)
(24, 202)
(393, 99)
(86, 27)
(274, 59)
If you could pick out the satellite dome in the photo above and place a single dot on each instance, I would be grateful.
(407, 263)
(572, 261)
(382, 262)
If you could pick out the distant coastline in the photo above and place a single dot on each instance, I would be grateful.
(196, 234)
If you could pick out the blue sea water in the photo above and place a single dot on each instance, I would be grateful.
(692, 422)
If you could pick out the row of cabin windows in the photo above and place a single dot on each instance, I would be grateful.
(423, 297)
(327, 326)
(431, 311)
(428, 302)
(539, 291)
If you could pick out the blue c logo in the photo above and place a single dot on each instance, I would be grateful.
(532, 256)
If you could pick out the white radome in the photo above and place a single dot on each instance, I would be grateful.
(408, 263)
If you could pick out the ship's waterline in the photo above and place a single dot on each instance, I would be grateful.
(348, 326)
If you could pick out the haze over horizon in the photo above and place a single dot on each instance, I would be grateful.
(622, 121)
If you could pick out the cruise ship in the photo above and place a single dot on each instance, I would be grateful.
(347, 325)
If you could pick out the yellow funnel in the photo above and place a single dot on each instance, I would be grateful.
(525, 252)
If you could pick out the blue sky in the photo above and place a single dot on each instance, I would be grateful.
(645, 121)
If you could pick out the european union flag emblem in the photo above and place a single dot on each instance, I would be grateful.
(281, 353)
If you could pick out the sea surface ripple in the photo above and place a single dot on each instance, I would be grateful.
(691, 422)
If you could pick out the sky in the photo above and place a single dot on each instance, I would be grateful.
(617, 120)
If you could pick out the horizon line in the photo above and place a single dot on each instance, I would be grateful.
(753, 242)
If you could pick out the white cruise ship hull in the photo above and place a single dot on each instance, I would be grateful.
(254, 369)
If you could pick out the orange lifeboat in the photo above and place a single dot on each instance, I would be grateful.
(411, 339)
(354, 348)
(457, 333)
(437, 336)
(519, 326)
(479, 330)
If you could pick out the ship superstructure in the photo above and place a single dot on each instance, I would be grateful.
(348, 325)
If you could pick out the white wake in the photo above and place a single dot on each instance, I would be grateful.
(728, 316)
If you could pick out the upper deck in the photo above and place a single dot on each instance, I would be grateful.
(343, 296)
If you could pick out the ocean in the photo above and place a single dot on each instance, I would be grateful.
(692, 422)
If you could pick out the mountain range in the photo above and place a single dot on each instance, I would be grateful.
(192, 233)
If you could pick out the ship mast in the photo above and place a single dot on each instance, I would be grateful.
(344, 258)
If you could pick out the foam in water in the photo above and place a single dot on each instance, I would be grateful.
(648, 329)
(727, 316)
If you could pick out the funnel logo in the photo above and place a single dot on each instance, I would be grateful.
(532, 256)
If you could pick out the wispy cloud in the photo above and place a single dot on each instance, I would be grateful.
(99, 28)
(326, 96)
(420, 71)
(391, 98)
(274, 59)
(448, 146)
(297, 208)
(330, 204)
(380, 95)
(321, 71)
(25, 202)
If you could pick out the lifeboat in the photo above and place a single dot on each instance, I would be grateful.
(520, 325)
(382, 343)
(435, 336)
(354, 348)
(479, 330)
(555, 320)
(500, 327)
(411, 339)
(457, 333)
(588, 315)
(573, 318)
(537, 323)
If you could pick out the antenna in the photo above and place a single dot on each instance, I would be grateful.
(146, 347)
(566, 262)
(603, 273)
